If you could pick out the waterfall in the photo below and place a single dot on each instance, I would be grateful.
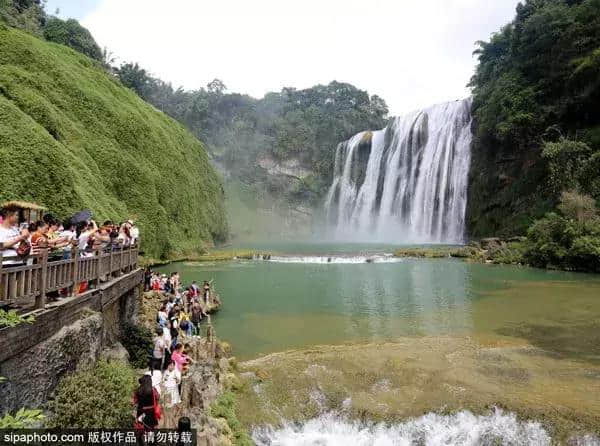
(407, 182)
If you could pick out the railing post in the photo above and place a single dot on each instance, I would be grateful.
(98, 266)
(2, 290)
(129, 268)
(110, 260)
(40, 301)
(75, 269)
(121, 262)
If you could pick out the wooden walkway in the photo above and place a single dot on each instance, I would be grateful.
(29, 283)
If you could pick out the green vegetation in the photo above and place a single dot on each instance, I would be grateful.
(74, 138)
(22, 419)
(99, 397)
(28, 15)
(72, 34)
(225, 407)
(245, 134)
(569, 240)
(137, 340)
(10, 318)
(536, 90)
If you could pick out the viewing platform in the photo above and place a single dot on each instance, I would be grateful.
(28, 284)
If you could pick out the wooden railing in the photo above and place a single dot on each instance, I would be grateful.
(36, 276)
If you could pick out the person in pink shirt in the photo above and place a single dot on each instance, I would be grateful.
(180, 358)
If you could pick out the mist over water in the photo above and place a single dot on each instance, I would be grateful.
(406, 183)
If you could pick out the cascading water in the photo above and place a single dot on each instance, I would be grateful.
(406, 182)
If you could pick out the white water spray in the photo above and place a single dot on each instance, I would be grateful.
(406, 183)
(463, 428)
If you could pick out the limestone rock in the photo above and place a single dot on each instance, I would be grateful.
(115, 352)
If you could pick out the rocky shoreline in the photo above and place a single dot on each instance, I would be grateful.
(209, 378)
(492, 250)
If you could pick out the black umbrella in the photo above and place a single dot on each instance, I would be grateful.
(80, 216)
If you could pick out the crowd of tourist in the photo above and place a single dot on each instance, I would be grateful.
(178, 319)
(21, 239)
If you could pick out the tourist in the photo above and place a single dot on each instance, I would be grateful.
(156, 376)
(170, 304)
(206, 292)
(181, 359)
(195, 289)
(168, 343)
(196, 318)
(11, 237)
(174, 329)
(134, 232)
(38, 240)
(186, 324)
(69, 234)
(124, 238)
(162, 317)
(85, 237)
(158, 352)
(172, 381)
(148, 410)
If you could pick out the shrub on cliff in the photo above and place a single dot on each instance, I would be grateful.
(98, 397)
(569, 240)
(73, 137)
(137, 340)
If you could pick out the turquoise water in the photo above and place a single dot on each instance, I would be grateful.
(271, 306)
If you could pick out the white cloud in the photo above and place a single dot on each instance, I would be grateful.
(412, 53)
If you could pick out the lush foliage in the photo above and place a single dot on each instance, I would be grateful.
(240, 131)
(99, 397)
(569, 240)
(536, 90)
(72, 34)
(73, 137)
(137, 340)
(28, 15)
(22, 419)
(225, 407)
(10, 318)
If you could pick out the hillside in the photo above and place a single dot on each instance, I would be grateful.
(278, 149)
(536, 93)
(73, 137)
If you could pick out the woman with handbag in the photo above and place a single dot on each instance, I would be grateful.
(148, 411)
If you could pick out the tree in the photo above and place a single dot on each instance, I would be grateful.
(28, 15)
(72, 34)
(133, 76)
(216, 86)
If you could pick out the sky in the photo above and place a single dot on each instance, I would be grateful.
(412, 53)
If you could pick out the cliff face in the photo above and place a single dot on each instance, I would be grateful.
(505, 192)
(73, 137)
(537, 133)
(84, 332)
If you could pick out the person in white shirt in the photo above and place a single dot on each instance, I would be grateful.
(85, 232)
(10, 236)
(69, 234)
(159, 350)
(134, 232)
(172, 379)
